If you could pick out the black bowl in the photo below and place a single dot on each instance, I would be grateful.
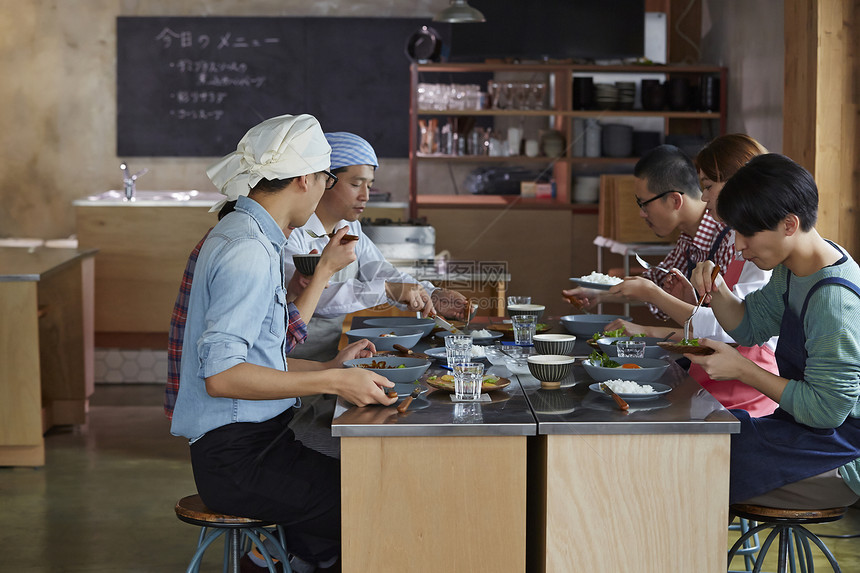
(306, 264)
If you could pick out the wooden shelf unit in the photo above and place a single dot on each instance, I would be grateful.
(560, 116)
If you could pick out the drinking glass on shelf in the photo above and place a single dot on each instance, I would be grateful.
(538, 95)
(468, 377)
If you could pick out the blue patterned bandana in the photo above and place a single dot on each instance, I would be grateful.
(349, 149)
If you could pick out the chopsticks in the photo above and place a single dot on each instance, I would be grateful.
(409, 352)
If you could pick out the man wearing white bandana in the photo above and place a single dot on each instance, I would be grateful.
(370, 280)
(238, 386)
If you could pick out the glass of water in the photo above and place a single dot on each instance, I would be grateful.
(524, 329)
(468, 377)
(630, 348)
(458, 348)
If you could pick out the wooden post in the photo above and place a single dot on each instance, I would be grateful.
(820, 109)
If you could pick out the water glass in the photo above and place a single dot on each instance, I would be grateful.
(468, 377)
(519, 300)
(630, 348)
(524, 329)
(458, 348)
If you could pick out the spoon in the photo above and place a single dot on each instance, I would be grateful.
(648, 266)
(345, 237)
(714, 274)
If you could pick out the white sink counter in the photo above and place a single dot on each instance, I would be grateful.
(187, 198)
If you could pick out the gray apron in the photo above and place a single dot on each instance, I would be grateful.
(312, 421)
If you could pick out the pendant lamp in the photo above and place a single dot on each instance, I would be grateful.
(459, 12)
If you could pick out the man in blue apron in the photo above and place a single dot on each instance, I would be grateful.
(806, 455)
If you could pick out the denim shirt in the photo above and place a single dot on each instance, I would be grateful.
(237, 312)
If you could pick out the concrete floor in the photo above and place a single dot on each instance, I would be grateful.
(104, 501)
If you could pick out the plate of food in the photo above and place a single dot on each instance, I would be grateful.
(597, 281)
(478, 353)
(631, 391)
(482, 336)
(488, 384)
(690, 346)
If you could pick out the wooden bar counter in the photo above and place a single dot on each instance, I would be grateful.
(46, 341)
(639, 491)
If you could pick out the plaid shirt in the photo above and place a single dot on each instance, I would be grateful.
(297, 330)
(690, 251)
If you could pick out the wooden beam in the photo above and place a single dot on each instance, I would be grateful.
(820, 108)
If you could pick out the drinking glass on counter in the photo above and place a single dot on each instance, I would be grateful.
(458, 349)
(630, 348)
(468, 377)
(524, 329)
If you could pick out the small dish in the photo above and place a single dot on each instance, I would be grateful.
(489, 384)
(475, 339)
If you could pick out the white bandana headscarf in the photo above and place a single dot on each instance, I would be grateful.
(278, 148)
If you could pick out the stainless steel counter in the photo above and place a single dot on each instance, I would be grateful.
(575, 409)
(31, 264)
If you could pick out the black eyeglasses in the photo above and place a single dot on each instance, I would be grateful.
(330, 179)
(642, 203)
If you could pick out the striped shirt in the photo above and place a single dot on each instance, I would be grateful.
(297, 330)
(689, 251)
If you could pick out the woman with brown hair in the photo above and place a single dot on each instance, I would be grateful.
(716, 163)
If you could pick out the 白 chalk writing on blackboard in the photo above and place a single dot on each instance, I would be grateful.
(187, 39)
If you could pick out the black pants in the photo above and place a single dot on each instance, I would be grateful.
(260, 470)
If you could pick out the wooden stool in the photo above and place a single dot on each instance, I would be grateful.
(788, 524)
(192, 510)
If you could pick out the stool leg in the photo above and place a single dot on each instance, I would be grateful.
(759, 562)
(194, 566)
(234, 549)
(752, 533)
(820, 544)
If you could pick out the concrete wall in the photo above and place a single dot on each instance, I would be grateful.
(58, 94)
(58, 101)
(747, 36)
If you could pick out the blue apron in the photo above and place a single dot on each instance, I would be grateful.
(776, 450)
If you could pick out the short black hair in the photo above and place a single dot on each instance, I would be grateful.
(667, 168)
(766, 190)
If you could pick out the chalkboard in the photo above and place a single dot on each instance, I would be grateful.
(192, 86)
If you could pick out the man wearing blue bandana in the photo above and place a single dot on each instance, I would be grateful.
(370, 280)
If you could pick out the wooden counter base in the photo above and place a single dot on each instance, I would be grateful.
(631, 503)
(433, 504)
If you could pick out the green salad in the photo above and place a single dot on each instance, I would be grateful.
(599, 358)
(689, 342)
(615, 334)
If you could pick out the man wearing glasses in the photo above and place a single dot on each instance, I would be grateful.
(669, 198)
(370, 280)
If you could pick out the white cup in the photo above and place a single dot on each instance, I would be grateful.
(532, 147)
(515, 138)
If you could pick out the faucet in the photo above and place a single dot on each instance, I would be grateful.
(128, 180)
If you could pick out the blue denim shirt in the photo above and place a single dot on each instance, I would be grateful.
(237, 312)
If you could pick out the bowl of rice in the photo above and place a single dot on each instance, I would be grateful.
(630, 390)
(640, 370)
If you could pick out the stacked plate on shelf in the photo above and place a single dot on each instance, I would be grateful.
(606, 96)
(626, 94)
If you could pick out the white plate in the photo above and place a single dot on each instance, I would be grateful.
(477, 340)
(587, 284)
(439, 354)
(660, 390)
